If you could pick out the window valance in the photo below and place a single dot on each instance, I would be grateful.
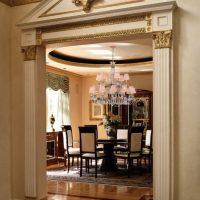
(56, 82)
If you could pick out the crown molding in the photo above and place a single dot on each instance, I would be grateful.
(18, 2)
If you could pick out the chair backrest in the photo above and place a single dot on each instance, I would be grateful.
(122, 134)
(135, 139)
(67, 136)
(87, 139)
(136, 142)
(93, 126)
(148, 138)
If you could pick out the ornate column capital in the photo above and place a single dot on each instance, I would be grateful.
(162, 39)
(29, 52)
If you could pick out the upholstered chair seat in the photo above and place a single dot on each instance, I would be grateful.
(73, 151)
(92, 155)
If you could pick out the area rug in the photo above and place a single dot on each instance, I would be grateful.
(115, 178)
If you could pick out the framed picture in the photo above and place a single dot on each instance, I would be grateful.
(96, 111)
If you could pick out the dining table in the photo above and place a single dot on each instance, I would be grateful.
(109, 162)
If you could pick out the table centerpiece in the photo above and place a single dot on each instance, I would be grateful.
(110, 122)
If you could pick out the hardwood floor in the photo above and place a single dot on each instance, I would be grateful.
(63, 190)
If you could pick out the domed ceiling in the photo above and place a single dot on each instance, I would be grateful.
(130, 56)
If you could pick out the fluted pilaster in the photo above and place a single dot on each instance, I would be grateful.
(163, 91)
(30, 129)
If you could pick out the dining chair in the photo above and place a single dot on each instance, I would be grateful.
(147, 152)
(134, 151)
(122, 134)
(99, 146)
(88, 148)
(69, 150)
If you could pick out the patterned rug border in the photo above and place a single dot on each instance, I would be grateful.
(133, 181)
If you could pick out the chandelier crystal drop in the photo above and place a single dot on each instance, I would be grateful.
(112, 89)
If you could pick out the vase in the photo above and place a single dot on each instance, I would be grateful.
(52, 120)
(111, 132)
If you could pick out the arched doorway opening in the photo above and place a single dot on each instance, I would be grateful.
(158, 23)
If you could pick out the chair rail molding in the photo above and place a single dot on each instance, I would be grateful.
(157, 22)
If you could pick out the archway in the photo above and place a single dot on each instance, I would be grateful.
(158, 22)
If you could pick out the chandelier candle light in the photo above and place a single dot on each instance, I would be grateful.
(113, 88)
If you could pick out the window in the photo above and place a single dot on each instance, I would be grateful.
(57, 101)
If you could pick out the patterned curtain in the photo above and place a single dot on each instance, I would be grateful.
(57, 101)
(56, 82)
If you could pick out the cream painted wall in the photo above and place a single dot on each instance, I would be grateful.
(5, 105)
(139, 80)
(187, 103)
(142, 81)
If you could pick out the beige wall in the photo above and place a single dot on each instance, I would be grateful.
(187, 103)
(139, 80)
(5, 106)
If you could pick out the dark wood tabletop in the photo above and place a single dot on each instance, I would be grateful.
(112, 141)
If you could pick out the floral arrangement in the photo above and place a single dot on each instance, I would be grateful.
(110, 120)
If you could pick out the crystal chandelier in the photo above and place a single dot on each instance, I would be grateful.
(113, 88)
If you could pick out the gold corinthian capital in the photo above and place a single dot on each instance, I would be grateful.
(162, 39)
(29, 52)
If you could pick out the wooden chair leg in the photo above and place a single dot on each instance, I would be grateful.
(77, 161)
(68, 164)
(88, 165)
(145, 160)
(72, 161)
(95, 168)
(81, 165)
(128, 165)
(91, 162)
(65, 164)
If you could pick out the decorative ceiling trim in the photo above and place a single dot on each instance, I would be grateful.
(97, 23)
(114, 34)
(139, 62)
(79, 60)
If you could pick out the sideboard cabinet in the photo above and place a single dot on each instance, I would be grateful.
(55, 148)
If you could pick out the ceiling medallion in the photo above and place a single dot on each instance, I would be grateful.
(85, 3)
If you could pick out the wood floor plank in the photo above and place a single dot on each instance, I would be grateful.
(58, 190)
